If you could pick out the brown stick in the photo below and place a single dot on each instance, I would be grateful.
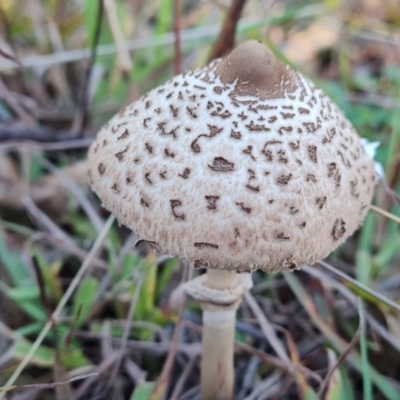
(80, 115)
(226, 37)
(39, 134)
(177, 34)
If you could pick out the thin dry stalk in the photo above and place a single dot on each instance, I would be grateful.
(226, 38)
(115, 27)
(268, 330)
(127, 328)
(373, 293)
(74, 144)
(15, 106)
(339, 362)
(42, 219)
(162, 382)
(77, 192)
(102, 368)
(155, 348)
(124, 56)
(183, 378)
(80, 115)
(386, 214)
(352, 298)
(177, 35)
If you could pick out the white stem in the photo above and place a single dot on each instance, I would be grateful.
(217, 373)
(221, 279)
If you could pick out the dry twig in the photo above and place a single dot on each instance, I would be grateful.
(177, 34)
(226, 38)
(82, 104)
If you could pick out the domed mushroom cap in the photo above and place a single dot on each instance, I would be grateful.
(243, 164)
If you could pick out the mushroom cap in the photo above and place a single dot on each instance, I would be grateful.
(243, 164)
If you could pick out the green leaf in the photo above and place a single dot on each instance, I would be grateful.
(366, 373)
(146, 301)
(143, 391)
(84, 299)
(20, 294)
(165, 275)
(14, 266)
(44, 356)
(130, 262)
(27, 299)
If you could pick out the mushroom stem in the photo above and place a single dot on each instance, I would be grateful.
(221, 279)
(217, 373)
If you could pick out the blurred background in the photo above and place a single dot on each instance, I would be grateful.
(83, 313)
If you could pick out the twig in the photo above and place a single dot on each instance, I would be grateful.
(339, 362)
(353, 299)
(42, 219)
(49, 146)
(69, 183)
(82, 103)
(69, 248)
(390, 192)
(385, 213)
(156, 348)
(166, 371)
(100, 369)
(42, 386)
(57, 312)
(183, 378)
(127, 329)
(123, 53)
(177, 34)
(36, 134)
(267, 329)
(226, 37)
(15, 106)
(373, 293)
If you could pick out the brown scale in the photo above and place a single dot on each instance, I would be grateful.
(320, 201)
(283, 129)
(124, 135)
(174, 204)
(120, 155)
(284, 179)
(212, 202)
(101, 168)
(257, 128)
(248, 151)
(312, 153)
(243, 208)
(191, 112)
(149, 148)
(220, 164)
(236, 134)
(338, 229)
(202, 245)
(185, 173)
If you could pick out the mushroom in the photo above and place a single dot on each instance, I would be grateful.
(241, 165)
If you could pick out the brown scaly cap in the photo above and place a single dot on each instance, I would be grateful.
(257, 71)
(242, 164)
